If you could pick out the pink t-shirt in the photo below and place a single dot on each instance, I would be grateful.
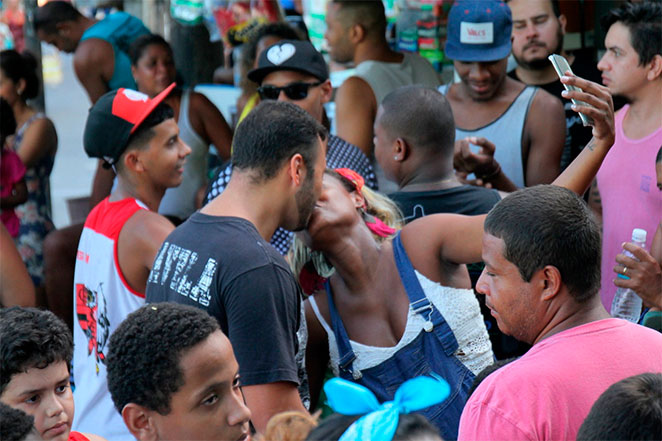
(630, 197)
(12, 171)
(547, 394)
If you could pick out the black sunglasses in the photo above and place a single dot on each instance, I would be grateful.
(294, 91)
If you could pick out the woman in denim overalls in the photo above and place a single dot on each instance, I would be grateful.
(408, 312)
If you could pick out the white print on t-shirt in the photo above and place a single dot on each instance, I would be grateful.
(182, 260)
(418, 211)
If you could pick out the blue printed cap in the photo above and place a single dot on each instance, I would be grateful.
(479, 31)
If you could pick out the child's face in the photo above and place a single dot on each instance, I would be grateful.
(209, 406)
(46, 395)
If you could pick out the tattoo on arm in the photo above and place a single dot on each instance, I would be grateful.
(591, 144)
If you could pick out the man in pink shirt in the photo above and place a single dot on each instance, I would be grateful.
(541, 249)
(627, 198)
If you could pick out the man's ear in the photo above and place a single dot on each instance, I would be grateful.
(327, 91)
(401, 149)
(549, 281)
(296, 169)
(563, 22)
(131, 161)
(655, 68)
(356, 33)
(137, 419)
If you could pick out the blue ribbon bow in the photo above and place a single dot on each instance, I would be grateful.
(381, 420)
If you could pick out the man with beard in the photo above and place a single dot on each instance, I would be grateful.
(538, 30)
(295, 72)
(520, 128)
(220, 259)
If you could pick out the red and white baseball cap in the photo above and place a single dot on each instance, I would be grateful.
(114, 118)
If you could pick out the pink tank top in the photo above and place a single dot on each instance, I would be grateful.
(630, 197)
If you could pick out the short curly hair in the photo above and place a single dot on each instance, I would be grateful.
(15, 423)
(31, 338)
(144, 353)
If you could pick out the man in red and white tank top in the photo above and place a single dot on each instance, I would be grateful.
(626, 195)
(139, 138)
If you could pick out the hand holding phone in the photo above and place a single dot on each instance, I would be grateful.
(561, 66)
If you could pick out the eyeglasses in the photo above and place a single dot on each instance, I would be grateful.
(294, 91)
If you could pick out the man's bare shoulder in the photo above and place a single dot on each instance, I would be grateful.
(92, 52)
(355, 86)
(512, 88)
(146, 226)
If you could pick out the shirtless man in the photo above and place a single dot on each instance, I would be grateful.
(526, 125)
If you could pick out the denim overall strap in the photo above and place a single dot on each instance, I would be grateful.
(346, 355)
(419, 301)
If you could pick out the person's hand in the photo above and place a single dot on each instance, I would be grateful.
(463, 178)
(645, 275)
(482, 164)
(601, 108)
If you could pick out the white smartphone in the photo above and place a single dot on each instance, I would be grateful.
(561, 66)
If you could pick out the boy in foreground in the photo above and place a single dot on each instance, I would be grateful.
(35, 352)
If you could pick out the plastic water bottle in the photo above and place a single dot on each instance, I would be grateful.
(627, 304)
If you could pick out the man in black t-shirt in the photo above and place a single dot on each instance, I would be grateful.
(220, 259)
(538, 30)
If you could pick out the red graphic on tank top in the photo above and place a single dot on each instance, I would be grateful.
(93, 320)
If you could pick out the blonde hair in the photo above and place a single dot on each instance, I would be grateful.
(376, 204)
(293, 425)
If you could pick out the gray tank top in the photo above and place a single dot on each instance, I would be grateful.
(180, 201)
(506, 134)
(384, 78)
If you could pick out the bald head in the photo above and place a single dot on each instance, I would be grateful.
(422, 117)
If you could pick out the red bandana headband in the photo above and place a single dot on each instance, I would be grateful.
(372, 222)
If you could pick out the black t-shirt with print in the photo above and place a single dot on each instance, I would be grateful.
(223, 265)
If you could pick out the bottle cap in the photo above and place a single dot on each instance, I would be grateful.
(639, 235)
